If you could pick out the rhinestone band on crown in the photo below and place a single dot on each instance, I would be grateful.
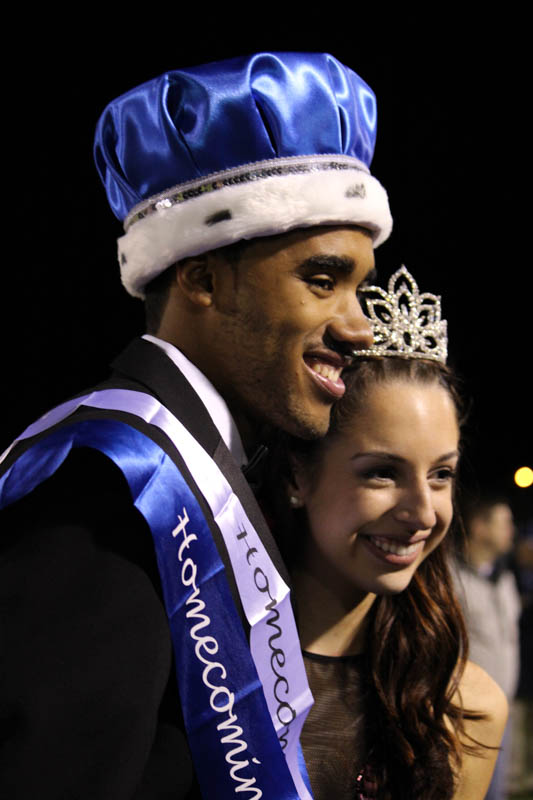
(291, 165)
(404, 322)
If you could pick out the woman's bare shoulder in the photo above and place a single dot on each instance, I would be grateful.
(480, 694)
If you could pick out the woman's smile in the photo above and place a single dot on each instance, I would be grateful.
(379, 497)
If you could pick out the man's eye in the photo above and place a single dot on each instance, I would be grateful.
(322, 281)
(370, 279)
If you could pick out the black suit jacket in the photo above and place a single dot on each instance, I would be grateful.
(88, 697)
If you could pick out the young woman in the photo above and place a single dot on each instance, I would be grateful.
(399, 712)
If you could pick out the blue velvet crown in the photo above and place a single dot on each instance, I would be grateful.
(201, 157)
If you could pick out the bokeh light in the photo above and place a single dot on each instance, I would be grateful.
(523, 477)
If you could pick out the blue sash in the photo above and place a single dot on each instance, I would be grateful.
(230, 730)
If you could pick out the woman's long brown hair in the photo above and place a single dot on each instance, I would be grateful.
(416, 646)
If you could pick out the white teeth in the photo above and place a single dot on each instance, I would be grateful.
(327, 371)
(390, 546)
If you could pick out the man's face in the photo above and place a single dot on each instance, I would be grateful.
(499, 529)
(279, 322)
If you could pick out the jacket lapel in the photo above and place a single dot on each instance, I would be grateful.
(144, 363)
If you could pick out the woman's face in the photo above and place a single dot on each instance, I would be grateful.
(380, 498)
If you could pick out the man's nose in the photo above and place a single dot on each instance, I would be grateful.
(350, 328)
(415, 507)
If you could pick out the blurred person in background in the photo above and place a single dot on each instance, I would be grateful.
(489, 595)
(521, 773)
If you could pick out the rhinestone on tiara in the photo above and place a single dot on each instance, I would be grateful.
(404, 322)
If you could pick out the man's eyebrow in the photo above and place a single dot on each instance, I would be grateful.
(341, 264)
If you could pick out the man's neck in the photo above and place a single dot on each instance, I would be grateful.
(481, 557)
(217, 407)
(250, 431)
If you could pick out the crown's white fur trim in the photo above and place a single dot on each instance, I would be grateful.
(260, 208)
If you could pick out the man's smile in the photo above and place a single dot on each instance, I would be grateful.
(326, 371)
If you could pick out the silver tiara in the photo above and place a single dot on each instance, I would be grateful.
(404, 322)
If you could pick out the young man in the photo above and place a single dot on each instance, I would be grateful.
(135, 551)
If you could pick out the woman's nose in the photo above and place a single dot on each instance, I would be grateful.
(416, 508)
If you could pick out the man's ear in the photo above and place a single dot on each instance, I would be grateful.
(194, 276)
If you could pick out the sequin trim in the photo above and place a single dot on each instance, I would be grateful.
(247, 174)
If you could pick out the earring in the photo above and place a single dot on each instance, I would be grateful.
(295, 501)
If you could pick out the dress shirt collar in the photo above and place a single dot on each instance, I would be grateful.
(212, 400)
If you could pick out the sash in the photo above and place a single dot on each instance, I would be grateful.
(239, 742)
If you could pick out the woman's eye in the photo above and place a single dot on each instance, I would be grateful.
(379, 473)
(444, 474)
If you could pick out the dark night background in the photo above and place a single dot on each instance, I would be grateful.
(452, 152)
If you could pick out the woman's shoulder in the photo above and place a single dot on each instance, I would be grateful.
(480, 695)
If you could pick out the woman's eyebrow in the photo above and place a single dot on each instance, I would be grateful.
(448, 456)
(392, 457)
(380, 453)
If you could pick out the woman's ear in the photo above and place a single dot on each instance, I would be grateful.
(295, 501)
(295, 486)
